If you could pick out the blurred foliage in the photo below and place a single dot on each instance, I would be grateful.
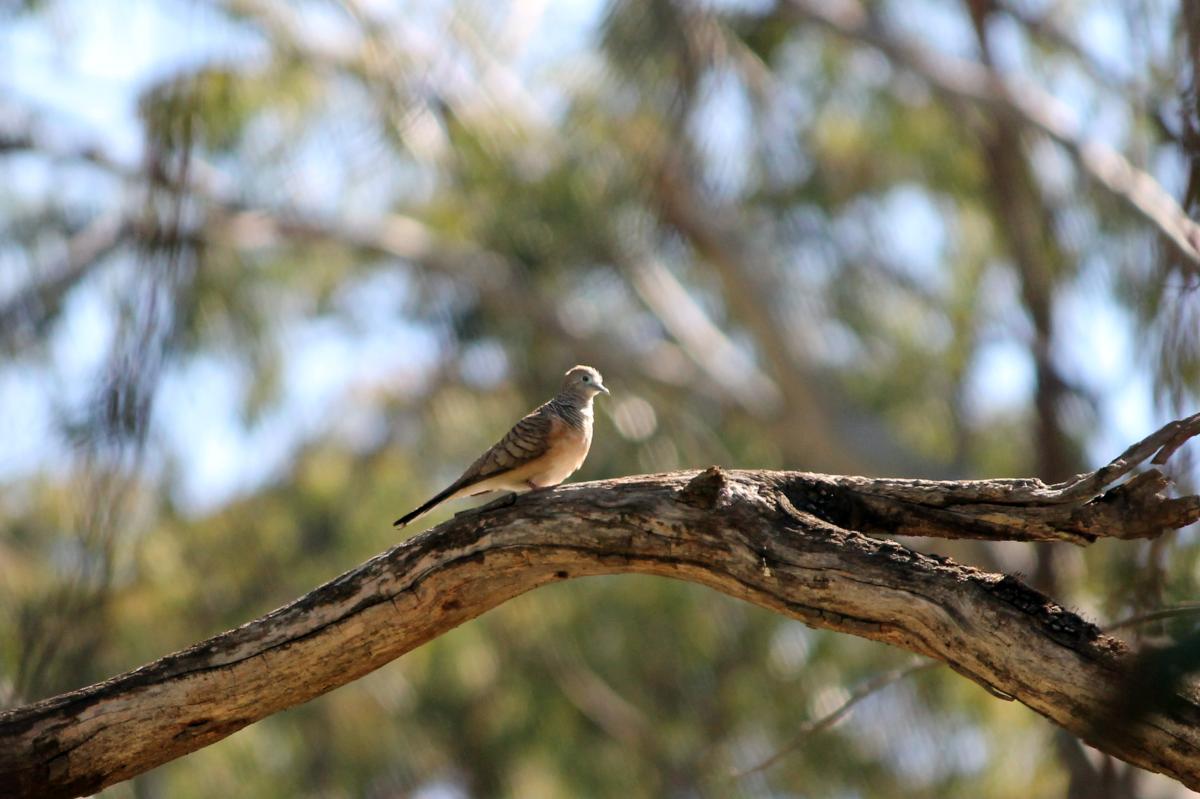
(878, 280)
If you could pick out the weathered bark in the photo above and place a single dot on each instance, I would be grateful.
(776, 539)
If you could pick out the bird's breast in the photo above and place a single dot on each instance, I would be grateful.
(566, 454)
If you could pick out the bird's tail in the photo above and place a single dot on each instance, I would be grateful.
(432, 503)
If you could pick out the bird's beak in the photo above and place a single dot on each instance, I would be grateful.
(603, 388)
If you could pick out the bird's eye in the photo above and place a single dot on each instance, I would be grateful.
(587, 379)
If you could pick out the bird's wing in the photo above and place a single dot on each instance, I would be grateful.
(528, 440)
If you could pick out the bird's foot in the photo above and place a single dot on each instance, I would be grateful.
(500, 502)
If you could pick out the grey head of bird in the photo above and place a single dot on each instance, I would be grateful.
(581, 383)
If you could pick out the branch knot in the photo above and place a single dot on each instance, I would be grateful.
(707, 490)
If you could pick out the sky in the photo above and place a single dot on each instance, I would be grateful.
(90, 62)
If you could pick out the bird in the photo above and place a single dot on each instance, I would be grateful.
(541, 450)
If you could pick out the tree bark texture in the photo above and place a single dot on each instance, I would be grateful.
(795, 543)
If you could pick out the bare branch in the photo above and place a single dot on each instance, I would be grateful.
(33, 303)
(702, 340)
(1162, 445)
(867, 689)
(1158, 614)
(764, 537)
(1079, 510)
(600, 702)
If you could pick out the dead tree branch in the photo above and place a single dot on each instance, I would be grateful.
(787, 541)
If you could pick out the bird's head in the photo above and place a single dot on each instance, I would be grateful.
(583, 382)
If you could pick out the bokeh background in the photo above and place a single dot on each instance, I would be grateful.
(273, 272)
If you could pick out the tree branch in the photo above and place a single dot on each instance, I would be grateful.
(770, 538)
(702, 340)
(28, 307)
(865, 691)
(1158, 614)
